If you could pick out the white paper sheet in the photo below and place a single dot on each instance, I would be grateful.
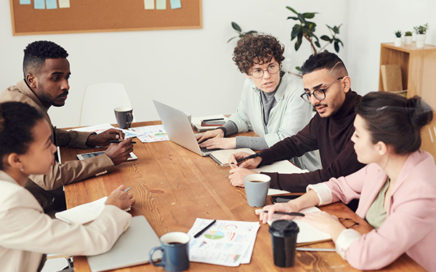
(149, 134)
(228, 243)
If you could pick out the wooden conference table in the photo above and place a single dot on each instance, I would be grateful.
(173, 186)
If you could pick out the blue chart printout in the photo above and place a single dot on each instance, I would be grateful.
(24, 2)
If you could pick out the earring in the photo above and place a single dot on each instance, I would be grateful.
(22, 169)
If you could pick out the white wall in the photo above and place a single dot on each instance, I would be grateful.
(193, 70)
(372, 22)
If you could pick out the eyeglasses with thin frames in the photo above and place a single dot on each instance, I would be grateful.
(318, 93)
(273, 68)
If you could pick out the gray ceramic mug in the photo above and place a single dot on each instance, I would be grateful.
(256, 189)
(175, 252)
(124, 116)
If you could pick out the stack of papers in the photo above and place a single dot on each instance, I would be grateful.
(145, 134)
(222, 156)
(282, 167)
(307, 234)
(228, 243)
(148, 134)
(103, 127)
(84, 213)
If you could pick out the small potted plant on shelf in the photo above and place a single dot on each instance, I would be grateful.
(420, 32)
(397, 41)
(408, 37)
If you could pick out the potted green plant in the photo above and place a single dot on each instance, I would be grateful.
(397, 41)
(408, 37)
(304, 29)
(420, 32)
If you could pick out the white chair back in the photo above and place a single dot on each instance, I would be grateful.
(99, 102)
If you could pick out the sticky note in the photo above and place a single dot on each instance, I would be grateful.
(161, 4)
(51, 4)
(175, 4)
(149, 4)
(24, 2)
(64, 3)
(39, 4)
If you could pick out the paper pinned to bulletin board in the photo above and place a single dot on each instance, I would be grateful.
(31, 17)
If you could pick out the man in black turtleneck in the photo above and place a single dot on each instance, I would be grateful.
(327, 88)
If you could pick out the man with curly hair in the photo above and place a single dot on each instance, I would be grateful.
(270, 104)
(45, 84)
(327, 87)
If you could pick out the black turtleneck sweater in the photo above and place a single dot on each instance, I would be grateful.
(331, 135)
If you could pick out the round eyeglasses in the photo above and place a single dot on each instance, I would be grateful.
(318, 93)
(273, 68)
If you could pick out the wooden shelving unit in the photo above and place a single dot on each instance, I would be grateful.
(418, 69)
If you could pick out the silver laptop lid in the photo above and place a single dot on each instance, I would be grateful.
(131, 248)
(178, 127)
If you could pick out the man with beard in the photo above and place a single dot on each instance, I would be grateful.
(46, 73)
(327, 87)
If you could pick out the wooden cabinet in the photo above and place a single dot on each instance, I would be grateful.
(418, 69)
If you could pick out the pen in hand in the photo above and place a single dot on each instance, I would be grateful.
(118, 141)
(287, 213)
(127, 189)
(252, 156)
(204, 229)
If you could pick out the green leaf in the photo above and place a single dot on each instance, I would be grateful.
(309, 15)
(297, 44)
(232, 38)
(291, 9)
(236, 27)
(298, 68)
(293, 18)
(295, 31)
(311, 26)
(339, 41)
(325, 38)
(301, 18)
(317, 44)
(299, 41)
(336, 30)
(336, 45)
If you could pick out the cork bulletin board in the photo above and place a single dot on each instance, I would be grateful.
(30, 17)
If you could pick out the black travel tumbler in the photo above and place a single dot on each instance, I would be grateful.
(284, 238)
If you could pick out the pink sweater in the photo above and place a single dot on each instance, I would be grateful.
(410, 225)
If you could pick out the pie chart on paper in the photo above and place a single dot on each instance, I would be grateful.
(214, 235)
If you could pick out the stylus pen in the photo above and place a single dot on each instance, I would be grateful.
(204, 229)
(315, 249)
(118, 141)
(127, 189)
(287, 213)
(213, 119)
(248, 157)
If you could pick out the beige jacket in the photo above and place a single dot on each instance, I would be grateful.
(26, 232)
(67, 172)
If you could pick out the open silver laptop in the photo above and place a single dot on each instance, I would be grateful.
(178, 127)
